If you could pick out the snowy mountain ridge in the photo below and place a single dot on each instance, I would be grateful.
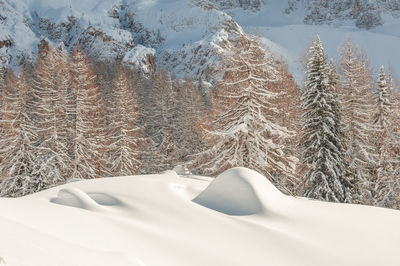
(187, 37)
(192, 38)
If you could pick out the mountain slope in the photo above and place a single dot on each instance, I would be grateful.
(286, 32)
(188, 37)
(192, 38)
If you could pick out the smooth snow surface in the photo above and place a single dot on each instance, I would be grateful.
(239, 218)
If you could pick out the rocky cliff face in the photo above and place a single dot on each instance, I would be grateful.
(190, 38)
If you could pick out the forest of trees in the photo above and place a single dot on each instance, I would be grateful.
(335, 139)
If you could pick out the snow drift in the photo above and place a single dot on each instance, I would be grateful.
(238, 191)
(239, 218)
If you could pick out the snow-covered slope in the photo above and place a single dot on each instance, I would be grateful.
(282, 26)
(237, 219)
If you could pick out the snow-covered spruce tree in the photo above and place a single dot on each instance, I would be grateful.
(357, 103)
(89, 145)
(323, 141)
(126, 135)
(53, 162)
(243, 131)
(17, 148)
(387, 143)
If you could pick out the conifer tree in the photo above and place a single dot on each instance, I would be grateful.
(68, 98)
(192, 109)
(358, 109)
(17, 148)
(162, 117)
(127, 137)
(243, 131)
(152, 160)
(89, 144)
(386, 144)
(323, 140)
(48, 106)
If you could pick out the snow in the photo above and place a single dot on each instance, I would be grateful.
(138, 57)
(238, 192)
(288, 36)
(239, 218)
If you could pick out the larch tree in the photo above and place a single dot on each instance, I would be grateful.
(48, 111)
(68, 98)
(387, 144)
(357, 103)
(127, 136)
(17, 147)
(161, 116)
(193, 107)
(323, 142)
(289, 114)
(90, 148)
(2, 85)
(243, 131)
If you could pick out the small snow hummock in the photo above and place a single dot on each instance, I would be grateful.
(238, 191)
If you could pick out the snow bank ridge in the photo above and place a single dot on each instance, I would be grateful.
(239, 191)
(75, 197)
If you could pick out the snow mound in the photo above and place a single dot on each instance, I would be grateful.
(75, 197)
(238, 191)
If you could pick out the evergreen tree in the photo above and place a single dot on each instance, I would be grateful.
(243, 131)
(323, 140)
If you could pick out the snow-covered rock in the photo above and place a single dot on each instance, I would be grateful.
(189, 38)
(237, 219)
(142, 58)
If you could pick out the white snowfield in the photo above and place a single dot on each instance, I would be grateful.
(239, 218)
